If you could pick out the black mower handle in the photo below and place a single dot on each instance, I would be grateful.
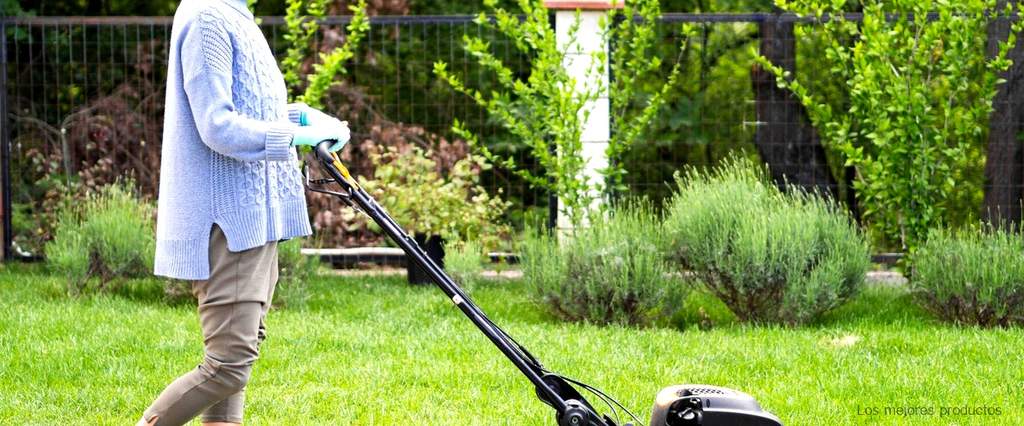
(323, 150)
(571, 408)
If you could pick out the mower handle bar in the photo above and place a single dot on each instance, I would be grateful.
(572, 409)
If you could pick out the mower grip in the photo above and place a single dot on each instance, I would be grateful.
(323, 150)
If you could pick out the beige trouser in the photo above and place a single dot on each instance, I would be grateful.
(232, 305)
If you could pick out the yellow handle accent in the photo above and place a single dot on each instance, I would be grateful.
(344, 170)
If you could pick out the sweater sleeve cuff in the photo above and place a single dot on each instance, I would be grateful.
(295, 110)
(279, 142)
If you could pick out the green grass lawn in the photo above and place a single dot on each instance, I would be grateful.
(375, 351)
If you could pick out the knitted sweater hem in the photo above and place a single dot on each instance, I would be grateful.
(246, 229)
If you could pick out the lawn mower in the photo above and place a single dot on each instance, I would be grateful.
(685, 405)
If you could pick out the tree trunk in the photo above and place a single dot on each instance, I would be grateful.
(784, 137)
(1004, 168)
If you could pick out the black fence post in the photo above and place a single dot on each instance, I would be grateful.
(5, 148)
(1004, 168)
(784, 137)
(552, 223)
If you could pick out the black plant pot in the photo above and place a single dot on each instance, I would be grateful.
(434, 246)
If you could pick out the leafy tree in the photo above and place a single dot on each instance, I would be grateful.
(545, 111)
(633, 97)
(300, 29)
(542, 111)
(11, 8)
(920, 91)
(100, 7)
(702, 122)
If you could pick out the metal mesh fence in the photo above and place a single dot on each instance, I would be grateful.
(83, 97)
(84, 101)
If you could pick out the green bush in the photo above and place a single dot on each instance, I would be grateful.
(109, 236)
(770, 257)
(972, 277)
(611, 272)
(425, 201)
(178, 292)
(464, 261)
(295, 271)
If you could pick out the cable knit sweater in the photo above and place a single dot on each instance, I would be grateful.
(226, 156)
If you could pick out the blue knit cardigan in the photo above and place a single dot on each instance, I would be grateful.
(226, 156)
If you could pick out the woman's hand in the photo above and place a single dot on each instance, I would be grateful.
(315, 124)
(312, 117)
(311, 135)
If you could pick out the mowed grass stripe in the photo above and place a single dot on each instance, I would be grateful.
(376, 351)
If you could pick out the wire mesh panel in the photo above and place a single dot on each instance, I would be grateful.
(84, 98)
(392, 99)
(710, 112)
(85, 104)
(391, 92)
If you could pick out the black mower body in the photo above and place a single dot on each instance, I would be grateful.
(704, 405)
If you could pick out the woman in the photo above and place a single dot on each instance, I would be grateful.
(229, 190)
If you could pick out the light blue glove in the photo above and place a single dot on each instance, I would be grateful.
(314, 118)
(311, 117)
(313, 135)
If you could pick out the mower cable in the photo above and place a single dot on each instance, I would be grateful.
(604, 397)
(608, 400)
